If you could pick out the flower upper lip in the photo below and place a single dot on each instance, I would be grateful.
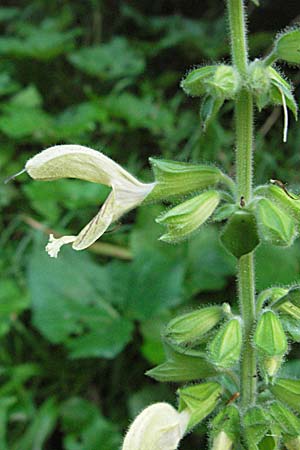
(76, 161)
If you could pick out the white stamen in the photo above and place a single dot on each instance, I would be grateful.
(286, 116)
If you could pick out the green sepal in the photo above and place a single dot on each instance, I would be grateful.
(183, 367)
(194, 83)
(287, 46)
(256, 2)
(274, 225)
(241, 223)
(223, 212)
(190, 328)
(200, 400)
(288, 423)
(281, 199)
(227, 420)
(288, 392)
(291, 327)
(209, 109)
(269, 336)
(225, 348)
(188, 216)
(174, 178)
(271, 295)
(280, 86)
(260, 83)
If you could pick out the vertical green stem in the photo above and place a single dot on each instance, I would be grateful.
(244, 148)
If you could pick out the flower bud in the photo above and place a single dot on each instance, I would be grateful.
(188, 216)
(287, 46)
(260, 83)
(222, 442)
(195, 83)
(281, 199)
(271, 341)
(209, 109)
(287, 391)
(225, 348)
(199, 400)
(226, 428)
(271, 295)
(220, 81)
(274, 225)
(241, 224)
(189, 328)
(175, 178)
(158, 427)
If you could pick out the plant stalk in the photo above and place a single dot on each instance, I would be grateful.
(244, 169)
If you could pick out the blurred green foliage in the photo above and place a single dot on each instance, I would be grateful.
(77, 333)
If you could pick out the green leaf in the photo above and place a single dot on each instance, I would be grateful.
(287, 46)
(41, 427)
(12, 303)
(219, 265)
(85, 427)
(110, 61)
(69, 306)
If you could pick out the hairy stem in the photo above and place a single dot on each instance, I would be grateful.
(244, 167)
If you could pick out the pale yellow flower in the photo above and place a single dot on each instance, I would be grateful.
(76, 161)
(158, 427)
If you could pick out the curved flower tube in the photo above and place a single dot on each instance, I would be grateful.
(158, 427)
(76, 161)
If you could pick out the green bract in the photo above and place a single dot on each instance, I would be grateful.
(274, 225)
(287, 391)
(200, 400)
(188, 216)
(258, 430)
(241, 223)
(190, 328)
(287, 46)
(178, 178)
(225, 348)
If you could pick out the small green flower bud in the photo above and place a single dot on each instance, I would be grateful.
(281, 199)
(287, 391)
(287, 46)
(190, 328)
(271, 341)
(225, 428)
(188, 216)
(199, 400)
(195, 83)
(225, 82)
(288, 423)
(274, 225)
(260, 83)
(241, 224)
(220, 81)
(175, 178)
(293, 444)
(225, 348)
